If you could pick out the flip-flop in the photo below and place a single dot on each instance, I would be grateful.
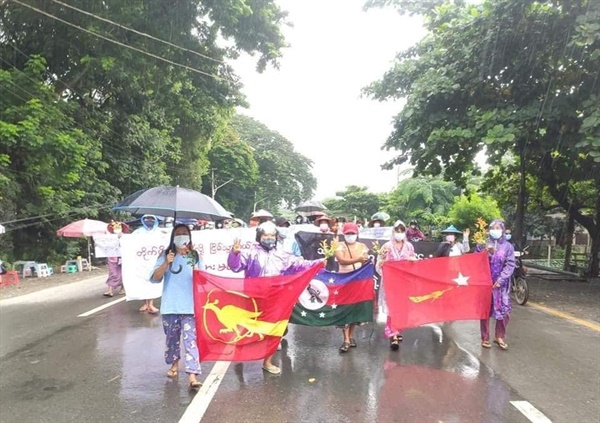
(352, 343)
(172, 373)
(143, 309)
(502, 345)
(345, 347)
(155, 311)
(108, 294)
(394, 343)
(274, 370)
(486, 344)
(195, 385)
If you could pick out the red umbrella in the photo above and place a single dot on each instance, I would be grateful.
(85, 227)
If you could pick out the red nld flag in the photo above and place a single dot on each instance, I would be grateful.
(243, 319)
(437, 290)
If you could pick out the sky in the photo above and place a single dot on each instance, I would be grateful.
(314, 99)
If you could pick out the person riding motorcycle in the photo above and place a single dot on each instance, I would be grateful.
(413, 233)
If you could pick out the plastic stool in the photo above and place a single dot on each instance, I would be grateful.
(72, 268)
(11, 277)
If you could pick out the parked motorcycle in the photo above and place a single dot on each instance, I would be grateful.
(518, 282)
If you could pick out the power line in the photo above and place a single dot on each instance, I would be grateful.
(119, 43)
(136, 32)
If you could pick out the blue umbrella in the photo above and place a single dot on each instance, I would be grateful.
(174, 202)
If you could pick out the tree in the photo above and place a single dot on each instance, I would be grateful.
(98, 105)
(466, 210)
(426, 199)
(285, 175)
(354, 202)
(469, 88)
(232, 160)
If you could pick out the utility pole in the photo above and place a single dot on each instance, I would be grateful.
(213, 186)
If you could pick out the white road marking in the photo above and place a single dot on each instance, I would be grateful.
(533, 414)
(195, 411)
(102, 307)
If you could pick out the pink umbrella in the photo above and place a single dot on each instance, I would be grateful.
(86, 228)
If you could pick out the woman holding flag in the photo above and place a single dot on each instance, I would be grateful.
(264, 259)
(397, 248)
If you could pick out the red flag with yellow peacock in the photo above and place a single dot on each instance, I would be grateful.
(243, 319)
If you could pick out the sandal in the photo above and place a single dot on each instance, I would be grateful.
(153, 310)
(486, 344)
(172, 373)
(501, 344)
(143, 308)
(352, 343)
(394, 343)
(274, 370)
(195, 385)
(345, 347)
(108, 294)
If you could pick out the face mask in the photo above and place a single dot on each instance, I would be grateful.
(181, 241)
(399, 236)
(350, 239)
(508, 237)
(324, 226)
(496, 233)
(376, 225)
(283, 232)
(268, 244)
(450, 238)
(117, 231)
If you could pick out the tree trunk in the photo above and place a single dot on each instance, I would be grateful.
(519, 229)
(569, 241)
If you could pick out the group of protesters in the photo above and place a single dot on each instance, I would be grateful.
(275, 252)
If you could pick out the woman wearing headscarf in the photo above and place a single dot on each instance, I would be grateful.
(502, 265)
(264, 259)
(176, 267)
(396, 249)
(450, 247)
(149, 226)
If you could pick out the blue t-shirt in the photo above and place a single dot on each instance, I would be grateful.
(177, 296)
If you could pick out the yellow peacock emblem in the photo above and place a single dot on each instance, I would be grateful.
(241, 322)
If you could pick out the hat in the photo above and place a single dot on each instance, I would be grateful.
(324, 217)
(268, 228)
(261, 213)
(350, 228)
(451, 230)
(398, 223)
(282, 221)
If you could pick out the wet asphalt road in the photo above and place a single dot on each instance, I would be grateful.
(57, 367)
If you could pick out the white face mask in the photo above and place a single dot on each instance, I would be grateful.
(399, 236)
(496, 233)
(181, 241)
(350, 239)
(118, 231)
(450, 238)
(324, 226)
(376, 225)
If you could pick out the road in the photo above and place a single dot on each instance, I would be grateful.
(108, 367)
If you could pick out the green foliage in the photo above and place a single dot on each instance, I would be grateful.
(503, 76)
(426, 199)
(355, 201)
(84, 121)
(466, 210)
(285, 175)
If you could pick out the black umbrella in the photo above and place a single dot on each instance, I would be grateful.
(174, 202)
(310, 206)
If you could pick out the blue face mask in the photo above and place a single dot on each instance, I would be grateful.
(508, 237)
(282, 232)
(268, 244)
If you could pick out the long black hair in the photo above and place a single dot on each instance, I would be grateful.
(173, 248)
